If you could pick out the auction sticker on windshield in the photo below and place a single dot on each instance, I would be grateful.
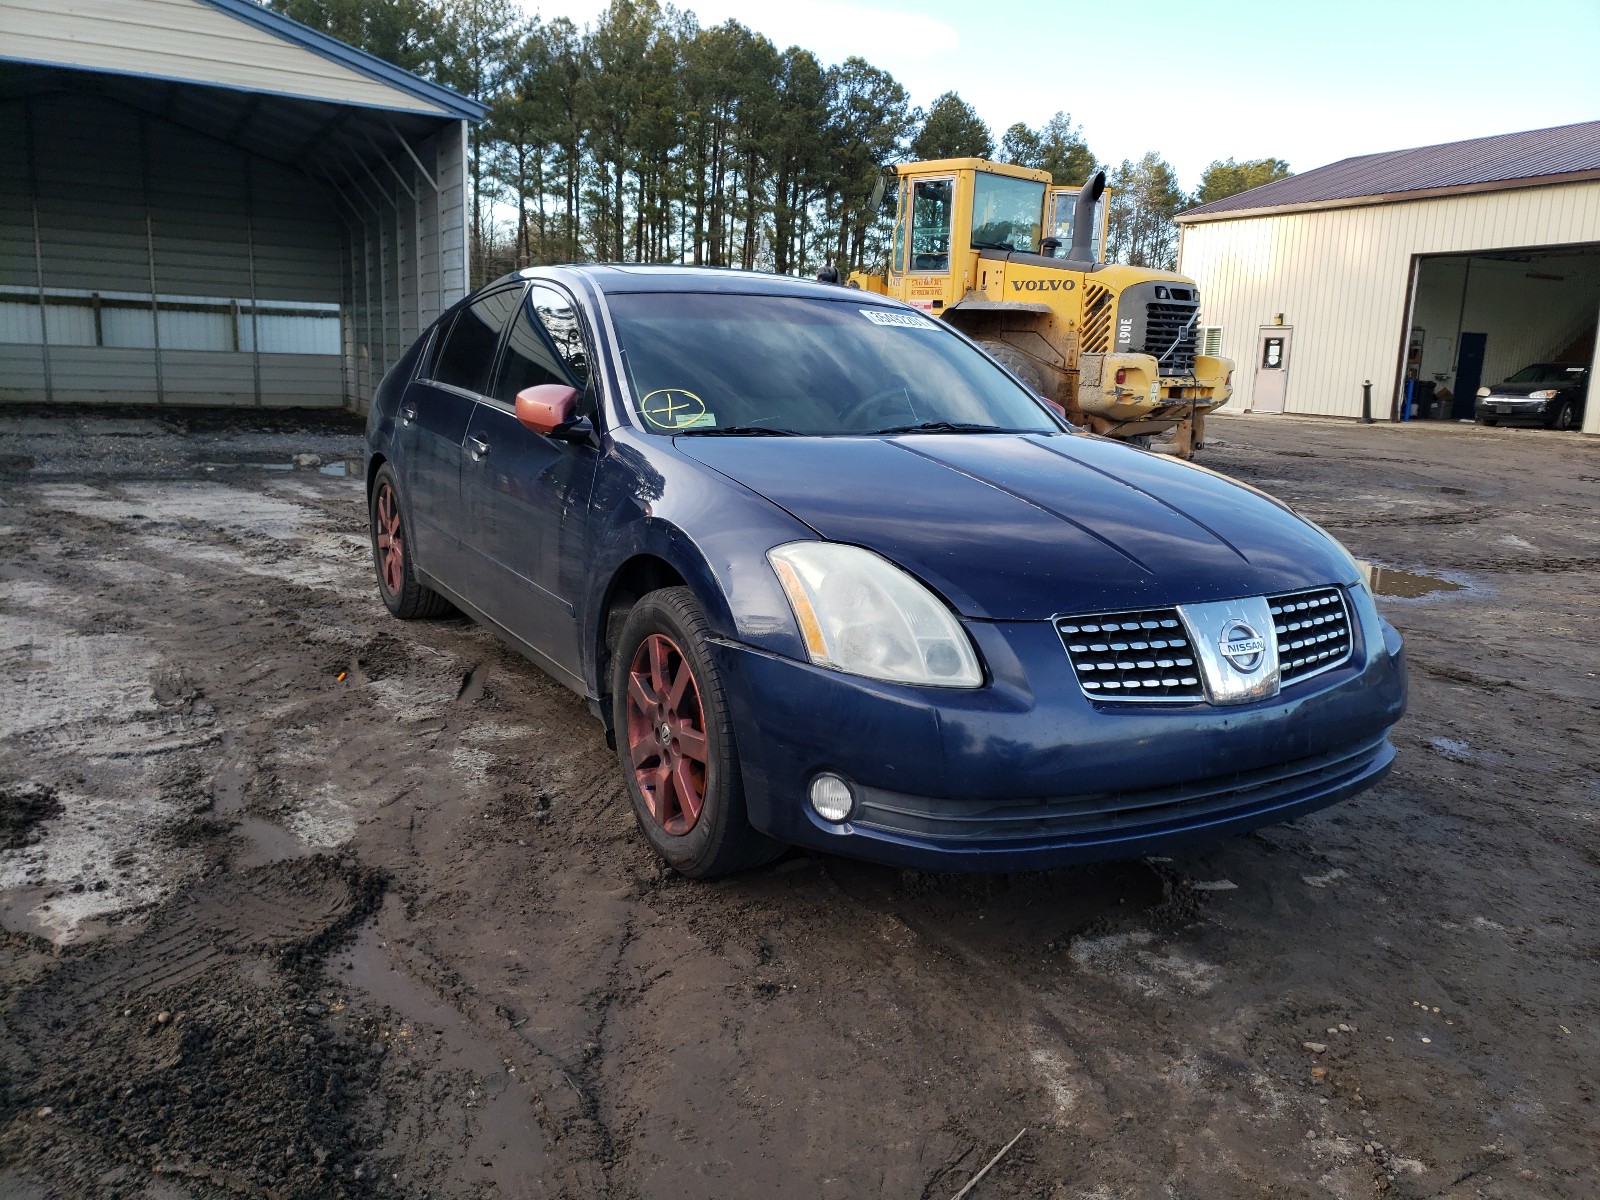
(673, 408)
(880, 316)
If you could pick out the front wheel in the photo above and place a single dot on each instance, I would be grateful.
(675, 740)
(1564, 418)
(1490, 421)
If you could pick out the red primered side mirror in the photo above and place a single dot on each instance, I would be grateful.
(546, 408)
(1060, 410)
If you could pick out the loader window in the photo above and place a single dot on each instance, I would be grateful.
(1006, 213)
(901, 218)
(1063, 210)
(932, 203)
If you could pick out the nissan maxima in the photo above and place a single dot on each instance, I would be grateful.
(832, 577)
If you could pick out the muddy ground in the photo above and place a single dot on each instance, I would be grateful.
(302, 901)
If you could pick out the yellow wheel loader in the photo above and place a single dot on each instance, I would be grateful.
(1011, 262)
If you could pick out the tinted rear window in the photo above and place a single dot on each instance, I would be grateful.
(468, 350)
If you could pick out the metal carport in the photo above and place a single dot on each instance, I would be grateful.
(203, 202)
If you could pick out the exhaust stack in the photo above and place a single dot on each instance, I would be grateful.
(1083, 219)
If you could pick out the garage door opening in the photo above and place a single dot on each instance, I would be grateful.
(1477, 319)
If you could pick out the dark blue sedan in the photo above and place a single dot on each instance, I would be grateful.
(832, 577)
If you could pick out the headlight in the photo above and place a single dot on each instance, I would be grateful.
(1482, 392)
(1547, 394)
(865, 616)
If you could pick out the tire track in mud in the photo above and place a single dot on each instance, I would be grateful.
(134, 1056)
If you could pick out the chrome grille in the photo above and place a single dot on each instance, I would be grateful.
(1171, 335)
(1132, 656)
(1313, 631)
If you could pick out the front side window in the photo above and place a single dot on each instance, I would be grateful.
(700, 364)
(467, 355)
(559, 317)
(932, 207)
(1006, 213)
(545, 345)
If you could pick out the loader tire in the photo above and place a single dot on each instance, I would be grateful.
(1018, 363)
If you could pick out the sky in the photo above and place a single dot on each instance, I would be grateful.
(1197, 81)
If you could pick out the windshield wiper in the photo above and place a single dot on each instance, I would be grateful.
(737, 431)
(992, 245)
(950, 427)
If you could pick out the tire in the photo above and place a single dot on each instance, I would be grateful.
(1489, 421)
(1018, 363)
(391, 553)
(1562, 418)
(664, 635)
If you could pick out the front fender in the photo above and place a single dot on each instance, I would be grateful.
(647, 505)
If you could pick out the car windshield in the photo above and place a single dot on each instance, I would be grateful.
(709, 364)
(1547, 373)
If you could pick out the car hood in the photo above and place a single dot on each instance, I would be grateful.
(1024, 527)
(1527, 389)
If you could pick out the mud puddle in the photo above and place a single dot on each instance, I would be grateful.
(1409, 585)
(336, 468)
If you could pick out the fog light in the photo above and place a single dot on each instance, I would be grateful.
(1122, 375)
(832, 798)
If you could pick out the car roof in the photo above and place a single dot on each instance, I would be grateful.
(615, 278)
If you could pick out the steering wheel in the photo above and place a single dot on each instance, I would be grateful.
(848, 414)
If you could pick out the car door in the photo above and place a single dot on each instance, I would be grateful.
(527, 495)
(433, 419)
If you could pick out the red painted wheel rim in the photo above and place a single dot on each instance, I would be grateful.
(391, 545)
(667, 734)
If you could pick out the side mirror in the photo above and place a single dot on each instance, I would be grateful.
(547, 407)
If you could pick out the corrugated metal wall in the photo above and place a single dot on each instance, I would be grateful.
(1341, 277)
(405, 249)
(142, 262)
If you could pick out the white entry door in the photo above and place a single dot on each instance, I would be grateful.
(1272, 369)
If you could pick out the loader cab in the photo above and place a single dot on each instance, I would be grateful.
(949, 210)
(1063, 203)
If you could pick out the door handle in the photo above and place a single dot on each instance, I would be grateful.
(477, 447)
(408, 414)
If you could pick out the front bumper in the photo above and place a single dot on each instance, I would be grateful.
(1513, 408)
(1028, 773)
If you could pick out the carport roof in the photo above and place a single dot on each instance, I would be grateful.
(1564, 154)
(234, 44)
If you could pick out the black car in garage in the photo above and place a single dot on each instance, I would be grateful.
(1549, 394)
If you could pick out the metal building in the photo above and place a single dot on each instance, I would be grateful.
(203, 202)
(1430, 272)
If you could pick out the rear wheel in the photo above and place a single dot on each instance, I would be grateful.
(675, 740)
(391, 553)
(1564, 417)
